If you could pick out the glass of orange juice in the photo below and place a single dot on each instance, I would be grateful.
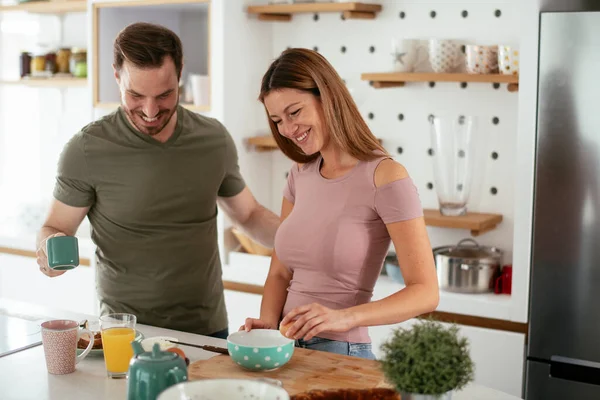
(118, 331)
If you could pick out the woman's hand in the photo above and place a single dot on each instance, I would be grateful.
(253, 323)
(312, 319)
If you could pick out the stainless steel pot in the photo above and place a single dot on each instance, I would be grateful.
(467, 268)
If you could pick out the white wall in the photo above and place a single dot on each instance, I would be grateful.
(245, 59)
(34, 122)
(416, 101)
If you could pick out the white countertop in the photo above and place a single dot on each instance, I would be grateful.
(23, 375)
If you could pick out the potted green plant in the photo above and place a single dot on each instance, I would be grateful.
(427, 362)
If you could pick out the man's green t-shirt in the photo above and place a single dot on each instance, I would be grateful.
(153, 216)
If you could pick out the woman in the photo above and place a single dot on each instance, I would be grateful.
(345, 200)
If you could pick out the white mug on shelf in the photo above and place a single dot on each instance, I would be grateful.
(481, 59)
(200, 85)
(407, 54)
(444, 55)
(508, 60)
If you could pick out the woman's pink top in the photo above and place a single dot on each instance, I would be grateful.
(335, 239)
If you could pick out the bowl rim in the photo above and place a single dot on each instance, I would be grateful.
(177, 387)
(233, 335)
(158, 338)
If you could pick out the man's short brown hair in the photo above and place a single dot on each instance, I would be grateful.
(146, 45)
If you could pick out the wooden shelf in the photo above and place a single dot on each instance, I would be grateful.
(146, 3)
(191, 107)
(48, 82)
(283, 12)
(47, 7)
(194, 108)
(477, 223)
(397, 79)
(262, 143)
(28, 253)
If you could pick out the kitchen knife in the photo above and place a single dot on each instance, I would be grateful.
(213, 349)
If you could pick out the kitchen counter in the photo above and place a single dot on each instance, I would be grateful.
(23, 375)
(250, 271)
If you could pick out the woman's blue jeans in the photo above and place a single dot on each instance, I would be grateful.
(361, 350)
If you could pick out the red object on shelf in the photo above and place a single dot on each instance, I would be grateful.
(503, 284)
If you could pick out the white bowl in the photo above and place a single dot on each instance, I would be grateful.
(163, 342)
(219, 389)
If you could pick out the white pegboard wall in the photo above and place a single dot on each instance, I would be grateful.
(399, 115)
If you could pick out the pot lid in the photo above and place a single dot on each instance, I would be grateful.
(474, 251)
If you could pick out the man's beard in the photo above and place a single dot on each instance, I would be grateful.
(150, 131)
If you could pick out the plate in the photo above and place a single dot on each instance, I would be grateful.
(100, 353)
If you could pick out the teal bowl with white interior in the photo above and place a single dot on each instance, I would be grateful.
(260, 349)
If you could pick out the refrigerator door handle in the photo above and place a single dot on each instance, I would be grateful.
(573, 369)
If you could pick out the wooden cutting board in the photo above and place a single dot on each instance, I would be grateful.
(307, 370)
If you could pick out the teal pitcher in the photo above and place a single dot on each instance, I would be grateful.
(153, 371)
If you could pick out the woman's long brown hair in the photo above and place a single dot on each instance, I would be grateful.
(309, 71)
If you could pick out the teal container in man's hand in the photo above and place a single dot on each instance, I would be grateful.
(63, 252)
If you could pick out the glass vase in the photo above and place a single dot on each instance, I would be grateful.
(453, 141)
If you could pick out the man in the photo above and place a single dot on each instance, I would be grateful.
(149, 177)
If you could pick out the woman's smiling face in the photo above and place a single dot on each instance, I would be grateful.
(298, 116)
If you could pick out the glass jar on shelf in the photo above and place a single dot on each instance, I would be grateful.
(78, 64)
(50, 66)
(63, 61)
(38, 65)
(25, 67)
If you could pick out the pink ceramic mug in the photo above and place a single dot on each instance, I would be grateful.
(59, 338)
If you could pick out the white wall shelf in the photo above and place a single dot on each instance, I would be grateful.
(47, 7)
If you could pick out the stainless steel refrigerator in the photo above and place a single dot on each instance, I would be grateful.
(563, 354)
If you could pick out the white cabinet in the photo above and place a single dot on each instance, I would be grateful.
(21, 280)
(241, 306)
(498, 355)
(189, 19)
